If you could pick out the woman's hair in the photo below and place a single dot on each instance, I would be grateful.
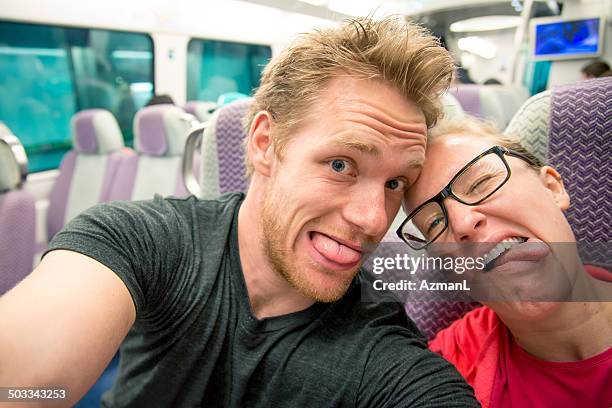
(392, 49)
(468, 125)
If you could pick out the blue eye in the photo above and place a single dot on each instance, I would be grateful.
(338, 165)
(395, 184)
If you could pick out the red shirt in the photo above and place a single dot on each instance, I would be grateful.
(525, 381)
(503, 375)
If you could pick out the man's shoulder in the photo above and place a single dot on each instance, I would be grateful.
(166, 208)
(374, 317)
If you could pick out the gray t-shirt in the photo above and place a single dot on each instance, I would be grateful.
(196, 342)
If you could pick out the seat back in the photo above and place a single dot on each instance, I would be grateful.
(530, 124)
(571, 128)
(509, 98)
(468, 96)
(200, 109)
(86, 172)
(495, 103)
(160, 132)
(223, 168)
(17, 213)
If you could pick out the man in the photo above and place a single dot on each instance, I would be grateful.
(253, 300)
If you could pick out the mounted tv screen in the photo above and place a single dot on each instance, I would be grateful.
(564, 39)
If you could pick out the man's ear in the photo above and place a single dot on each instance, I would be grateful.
(260, 147)
(554, 183)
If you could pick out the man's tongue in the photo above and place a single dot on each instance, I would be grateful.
(333, 250)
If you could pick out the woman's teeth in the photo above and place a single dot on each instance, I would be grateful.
(491, 256)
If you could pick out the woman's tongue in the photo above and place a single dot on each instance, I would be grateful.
(333, 250)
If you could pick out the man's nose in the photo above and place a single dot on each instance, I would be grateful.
(366, 209)
(466, 222)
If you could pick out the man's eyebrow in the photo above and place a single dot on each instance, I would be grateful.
(415, 162)
(352, 143)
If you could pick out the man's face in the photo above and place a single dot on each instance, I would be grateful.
(527, 206)
(339, 184)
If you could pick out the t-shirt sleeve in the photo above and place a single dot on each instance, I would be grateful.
(142, 242)
(463, 341)
(401, 373)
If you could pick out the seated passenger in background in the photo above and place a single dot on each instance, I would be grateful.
(492, 81)
(534, 344)
(595, 69)
(254, 300)
(163, 99)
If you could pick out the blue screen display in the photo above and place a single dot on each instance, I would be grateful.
(567, 37)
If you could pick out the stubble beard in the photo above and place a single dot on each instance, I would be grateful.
(279, 257)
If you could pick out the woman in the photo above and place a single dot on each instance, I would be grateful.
(530, 345)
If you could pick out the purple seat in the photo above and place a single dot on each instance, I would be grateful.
(468, 96)
(579, 147)
(87, 171)
(17, 214)
(485, 102)
(160, 132)
(200, 109)
(223, 168)
(569, 127)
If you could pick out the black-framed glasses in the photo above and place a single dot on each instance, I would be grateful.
(474, 183)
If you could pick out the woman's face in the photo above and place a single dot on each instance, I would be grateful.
(526, 214)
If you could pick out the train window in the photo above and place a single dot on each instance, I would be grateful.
(217, 67)
(48, 73)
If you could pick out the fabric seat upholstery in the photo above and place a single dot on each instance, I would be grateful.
(573, 135)
(86, 172)
(495, 103)
(223, 168)
(200, 109)
(17, 213)
(160, 132)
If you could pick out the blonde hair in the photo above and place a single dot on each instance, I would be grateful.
(391, 49)
(469, 125)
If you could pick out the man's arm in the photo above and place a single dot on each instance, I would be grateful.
(62, 325)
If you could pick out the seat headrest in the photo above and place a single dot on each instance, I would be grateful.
(570, 127)
(223, 168)
(161, 130)
(530, 125)
(200, 109)
(96, 131)
(13, 161)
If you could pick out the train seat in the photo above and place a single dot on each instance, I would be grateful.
(17, 213)
(468, 96)
(200, 109)
(223, 168)
(496, 103)
(88, 170)
(569, 127)
(160, 132)
(531, 123)
(510, 98)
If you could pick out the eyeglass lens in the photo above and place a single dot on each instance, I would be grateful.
(474, 184)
